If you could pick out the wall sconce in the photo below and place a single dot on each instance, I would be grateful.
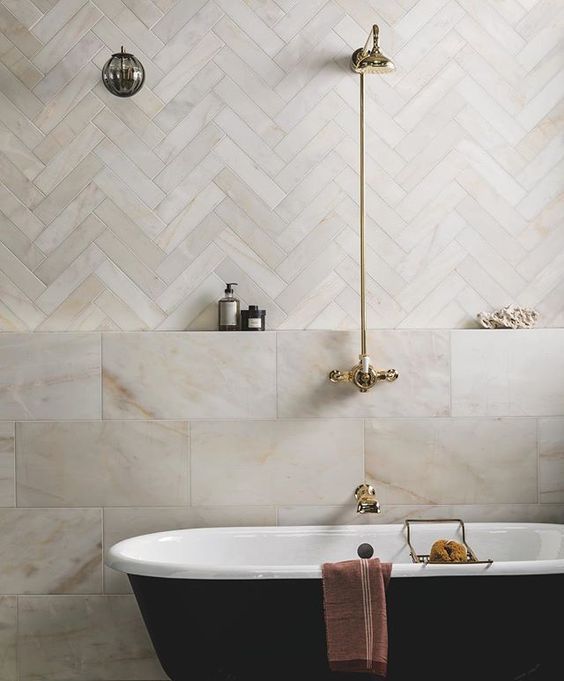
(123, 74)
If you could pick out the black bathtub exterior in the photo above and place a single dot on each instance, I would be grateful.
(440, 629)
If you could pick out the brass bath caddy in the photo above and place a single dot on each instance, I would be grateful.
(471, 557)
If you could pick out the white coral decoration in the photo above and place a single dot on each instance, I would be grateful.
(510, 317)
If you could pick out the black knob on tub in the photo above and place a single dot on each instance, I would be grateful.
(365, 551)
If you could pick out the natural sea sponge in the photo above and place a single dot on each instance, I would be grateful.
(448, 551)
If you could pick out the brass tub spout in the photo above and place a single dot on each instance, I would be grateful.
(366, 499)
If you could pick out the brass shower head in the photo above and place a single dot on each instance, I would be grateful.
(373, 61)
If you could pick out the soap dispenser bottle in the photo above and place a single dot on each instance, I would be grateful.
(229, 310)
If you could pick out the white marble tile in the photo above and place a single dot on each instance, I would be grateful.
(59, 77)
(306, 358)
(66, 191)
(194, 29)
(50, 551)
(7, 465)
(277, 462)
(145, 189)
(68, 252)
(177, 292)
(121, 523)
(84, 638)
(452, 461)
(101, 463)
(57, 14)
(127, 208)
(238, 161)
(551, 460)
(56, 48)
(398, 513)
(175, 19)
(67, 314)
(8, 638)
(129, 143)
(68, 158)
(50, 376)
(59, 291)
(508, 373)
(196, 375)
(188, 66)
(118, 282)
(20, 274)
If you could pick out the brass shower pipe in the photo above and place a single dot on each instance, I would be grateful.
(363, 375)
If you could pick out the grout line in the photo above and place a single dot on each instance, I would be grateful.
(189, 478)
(103, 528)
(18, 639)
(15, 466)
(364, 450)
(325, 417)
(537, 433)
(101, 377)
(276, 375)
(450, 363)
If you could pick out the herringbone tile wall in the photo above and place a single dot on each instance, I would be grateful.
(238, 159)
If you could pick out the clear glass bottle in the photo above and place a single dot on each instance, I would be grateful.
(228, 310)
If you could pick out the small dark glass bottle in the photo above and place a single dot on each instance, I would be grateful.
(253, 319)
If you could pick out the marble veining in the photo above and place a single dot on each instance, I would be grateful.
(50, 551)
(8, 638)
(551, 460)
(507, 373)
(7, 464)
(210, 429)
(103, 463)
(397, 513)
(182, 376)
(84, 638)
(420, 357)
(452, 461)
(50, 376)
(276, 461)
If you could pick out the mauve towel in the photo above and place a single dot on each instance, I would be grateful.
(356, 621)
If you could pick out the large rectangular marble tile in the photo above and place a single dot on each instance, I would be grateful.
(50, 550)
(121, 523)
(189, 375)
(305, 359)
(84, 638)
(50, 376)
(103, 463)
(508, 372)
(394, 513)
(7, 465)
(452, 461)
(276, 462)
(8, 638)
(551, 460)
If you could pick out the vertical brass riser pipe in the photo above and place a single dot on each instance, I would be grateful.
(363, 375)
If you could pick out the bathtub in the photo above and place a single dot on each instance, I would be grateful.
(243, 604)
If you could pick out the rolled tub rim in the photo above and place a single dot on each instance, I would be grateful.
(118, 560)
